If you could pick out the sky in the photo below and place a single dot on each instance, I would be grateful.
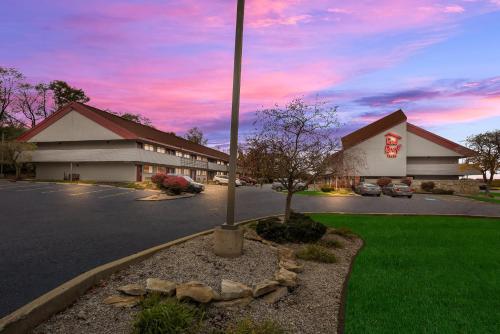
(172, 61)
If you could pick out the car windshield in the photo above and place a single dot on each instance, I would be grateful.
(369, 185)
(188, 178)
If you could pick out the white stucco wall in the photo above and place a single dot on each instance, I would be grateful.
(88, 171)
(377, 163)
(74, 127)
(421, 147)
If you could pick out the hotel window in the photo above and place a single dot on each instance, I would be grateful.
(148, 147)
(179, 154)
(186, 155)
(148, 169)
(160, 150)
(186, 172)
(178, 171)
(162, 169)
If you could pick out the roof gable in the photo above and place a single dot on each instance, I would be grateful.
(373, 129)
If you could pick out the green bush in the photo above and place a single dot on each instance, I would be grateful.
(427, 186)
(440, 191)
(316, 253)
(247, 326)
(271, 229)
(168, 316)
(326, 188)
(300, 228)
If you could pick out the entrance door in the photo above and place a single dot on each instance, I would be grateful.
(138, 177)
(193, 174)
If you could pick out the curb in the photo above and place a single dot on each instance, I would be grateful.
(32, 314)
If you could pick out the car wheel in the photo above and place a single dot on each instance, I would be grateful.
(410, 196)
(378, 195)
(217, 182)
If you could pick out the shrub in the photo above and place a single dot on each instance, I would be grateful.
(174, 184)
(343, 232)
(383, 181)
(427, 186)
(440, 191)
(316, 253)
(301, 228)
(326, 188)
(271, 229)
(406, 181)
(158, 179)
(330, 243)
(247, 326)
(168, 316)
(495, 183)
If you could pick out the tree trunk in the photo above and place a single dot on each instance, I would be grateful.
(487, 184)
(288, 206)
(18, 172)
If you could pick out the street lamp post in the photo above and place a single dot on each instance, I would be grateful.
(229, 238)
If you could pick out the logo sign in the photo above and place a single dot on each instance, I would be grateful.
(392, 145)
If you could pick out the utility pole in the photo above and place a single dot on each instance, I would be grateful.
(1, 161)
(228, 238)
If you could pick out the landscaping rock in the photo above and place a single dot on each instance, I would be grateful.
(285, 253)
(264, 287)
(235, 303)
(155, 285)
(292, 266)
(276, 295)
(196, 291)
(123, 301)
(286, 277)
(132, 290)
(233, 290)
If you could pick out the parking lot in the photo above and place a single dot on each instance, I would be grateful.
(50, 232)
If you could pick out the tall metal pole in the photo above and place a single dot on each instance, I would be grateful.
(235, 110)
(1, 161)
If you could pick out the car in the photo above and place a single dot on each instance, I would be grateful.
(278, 185)
(248, 180)
(193, 186)
(398, 189)
(224, 179)
(365, 188)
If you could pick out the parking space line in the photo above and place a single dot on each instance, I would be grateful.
(117, 194)
(90, 192)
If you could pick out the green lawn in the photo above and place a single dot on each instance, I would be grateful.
(423, 274)
(484, 198)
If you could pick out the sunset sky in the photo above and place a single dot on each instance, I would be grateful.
(439, 61)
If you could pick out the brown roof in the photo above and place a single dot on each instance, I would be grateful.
(373, 129)
(127, 129)
(394, 119)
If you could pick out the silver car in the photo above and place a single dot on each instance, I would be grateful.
(398, 189)
(224, 179)
(365, 188)
(298, 185)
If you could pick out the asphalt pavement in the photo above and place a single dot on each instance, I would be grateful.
(50, 233)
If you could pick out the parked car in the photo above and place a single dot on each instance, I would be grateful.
(398, 189)
(248, 180)
(299, 185)
(365, 188)
(193, 186)
(224, 179)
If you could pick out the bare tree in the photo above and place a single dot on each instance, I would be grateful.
(10, 79)
(298, 139)
(196, 136)
(27, 102)
(487, 157)
(346, 164)
(17, 154)
(44, 95)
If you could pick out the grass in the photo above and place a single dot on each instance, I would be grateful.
(316, 253)
(248, 326)
(423, 274)
(494, 198)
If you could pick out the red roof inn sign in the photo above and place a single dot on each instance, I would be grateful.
(392, 145)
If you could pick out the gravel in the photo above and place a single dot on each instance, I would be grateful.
(312, 307)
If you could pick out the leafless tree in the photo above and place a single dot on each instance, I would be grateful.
(345, 164)
(10, 79)
(17, 154)
(27, 102)
(298, 139)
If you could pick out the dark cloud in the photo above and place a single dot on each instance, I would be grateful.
(397, 98)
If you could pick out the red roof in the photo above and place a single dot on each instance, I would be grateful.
(126, 129)
(394, 119)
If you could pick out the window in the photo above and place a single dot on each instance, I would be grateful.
(161, 169)
(178, 171)
(179, 154)
(186, 155)
(160, 150)
(148, 169)
(148, 147)
(201, 172)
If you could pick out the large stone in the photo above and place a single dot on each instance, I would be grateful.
(276, 295)
(123, 301)
(196, 291)
(155, 285)
(132, 290)
(291, 266)
(233, 304)
(264, 287)
(286, 277)
(285, 253)
(233, 290)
